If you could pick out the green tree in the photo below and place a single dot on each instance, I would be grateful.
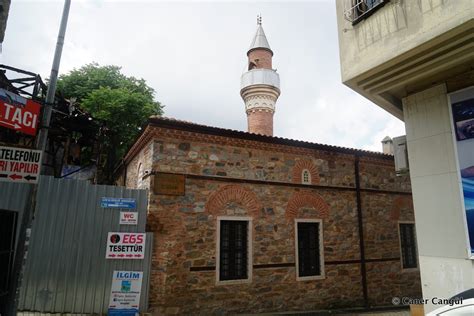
(123, 103)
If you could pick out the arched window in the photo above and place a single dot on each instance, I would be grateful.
(140, 176)
(305, 176)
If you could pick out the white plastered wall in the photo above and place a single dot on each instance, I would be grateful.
(440, 220)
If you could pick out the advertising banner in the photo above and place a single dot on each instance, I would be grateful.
(125, 293)
(125, 246)
(19, 164)
(18, 113)
(462, 109)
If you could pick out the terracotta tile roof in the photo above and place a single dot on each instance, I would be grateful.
(191, 126)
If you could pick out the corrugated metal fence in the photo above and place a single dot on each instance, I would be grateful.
(66, 270)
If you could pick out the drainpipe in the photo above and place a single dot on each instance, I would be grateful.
(360, 222)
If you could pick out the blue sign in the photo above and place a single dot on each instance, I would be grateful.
(122, 312)
(118, 203)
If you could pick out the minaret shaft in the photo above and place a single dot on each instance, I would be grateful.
(260, 86)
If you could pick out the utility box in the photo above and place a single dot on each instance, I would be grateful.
(400, 154)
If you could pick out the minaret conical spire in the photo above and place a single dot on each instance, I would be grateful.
(260, 39)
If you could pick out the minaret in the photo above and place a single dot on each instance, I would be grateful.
(260, 85)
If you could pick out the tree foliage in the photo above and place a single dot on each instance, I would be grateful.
(122, 103)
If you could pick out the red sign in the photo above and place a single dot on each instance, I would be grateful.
(18, 113)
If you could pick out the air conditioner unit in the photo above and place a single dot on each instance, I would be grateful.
(400, 153)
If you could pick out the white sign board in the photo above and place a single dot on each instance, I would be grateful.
(125, 292)
(128, 218)
(19, 164)
(125, 246)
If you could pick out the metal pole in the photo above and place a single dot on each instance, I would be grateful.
(12, 301)
(53, 79)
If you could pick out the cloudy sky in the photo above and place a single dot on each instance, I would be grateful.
(193, 53)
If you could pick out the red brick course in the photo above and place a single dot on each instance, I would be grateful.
(306, 200)
(401, 202)
(298, 171)
(233, 193)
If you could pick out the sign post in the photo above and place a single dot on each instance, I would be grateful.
(19, 164)
(125, 293)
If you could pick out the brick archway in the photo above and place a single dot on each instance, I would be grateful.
(398, 204)
(298, 171)
(306, 199)
(233, 193)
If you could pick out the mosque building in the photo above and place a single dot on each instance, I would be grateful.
(246, 222)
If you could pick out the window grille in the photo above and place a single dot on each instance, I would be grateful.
(408, 246)
(233, 250)
(357, 10)
(309, 256)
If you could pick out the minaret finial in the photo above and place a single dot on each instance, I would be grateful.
(259, 19)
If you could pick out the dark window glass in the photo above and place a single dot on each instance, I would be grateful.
(364, 8)
(7, 243)
(309, 260)
(371, 3)
(233, 250)
(408, 245)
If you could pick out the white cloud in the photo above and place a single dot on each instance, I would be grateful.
(193, 54)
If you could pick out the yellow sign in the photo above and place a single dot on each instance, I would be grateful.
(169, 184)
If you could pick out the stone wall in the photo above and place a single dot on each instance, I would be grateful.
(187, 242)
(224, 157)
(232, 177)
(141, 163)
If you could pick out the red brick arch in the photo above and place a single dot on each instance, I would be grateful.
(306, 199)
(398, 204)
(233, 193)
(302, 165)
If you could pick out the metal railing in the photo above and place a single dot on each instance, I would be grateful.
(356, 10)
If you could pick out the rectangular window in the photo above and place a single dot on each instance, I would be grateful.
(408, 246)
(309, 249)
(234, 259)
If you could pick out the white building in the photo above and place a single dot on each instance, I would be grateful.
(415, 59)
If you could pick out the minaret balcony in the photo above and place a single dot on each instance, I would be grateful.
(260, 77)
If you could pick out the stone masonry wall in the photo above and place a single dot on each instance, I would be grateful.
(224, 157)
(187, 241)
(145, 159)
(183, 279)
(382, 213)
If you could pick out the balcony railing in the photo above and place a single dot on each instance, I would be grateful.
(357, 10)
(260, 76)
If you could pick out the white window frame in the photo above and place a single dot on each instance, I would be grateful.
(302, 176)
(249, 249)
(321, 250)
(400, 247)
